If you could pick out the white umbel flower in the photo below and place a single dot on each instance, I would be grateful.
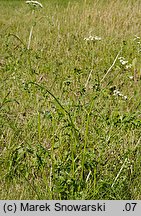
(34, 3)
(122, 60)
(92, 38)
(118, 93)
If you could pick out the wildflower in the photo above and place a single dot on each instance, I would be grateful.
(34, 3)
(118, 93)
(97, 38)
(131, 77)
(124, 63)
(125, 97)
(92, 38)
(128, 66)
(122, 60)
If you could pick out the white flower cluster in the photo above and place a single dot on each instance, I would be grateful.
(93, 38)
(34, 3)
(124, 62)
(131, 77)
(118, 93)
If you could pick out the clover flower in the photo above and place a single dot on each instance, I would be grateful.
(34, 3)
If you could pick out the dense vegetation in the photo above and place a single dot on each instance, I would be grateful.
(70, 107)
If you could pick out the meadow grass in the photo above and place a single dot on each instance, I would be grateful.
(70, 107)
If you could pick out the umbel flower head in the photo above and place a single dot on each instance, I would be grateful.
(34, 3)
(118, 93)
(92, 38)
